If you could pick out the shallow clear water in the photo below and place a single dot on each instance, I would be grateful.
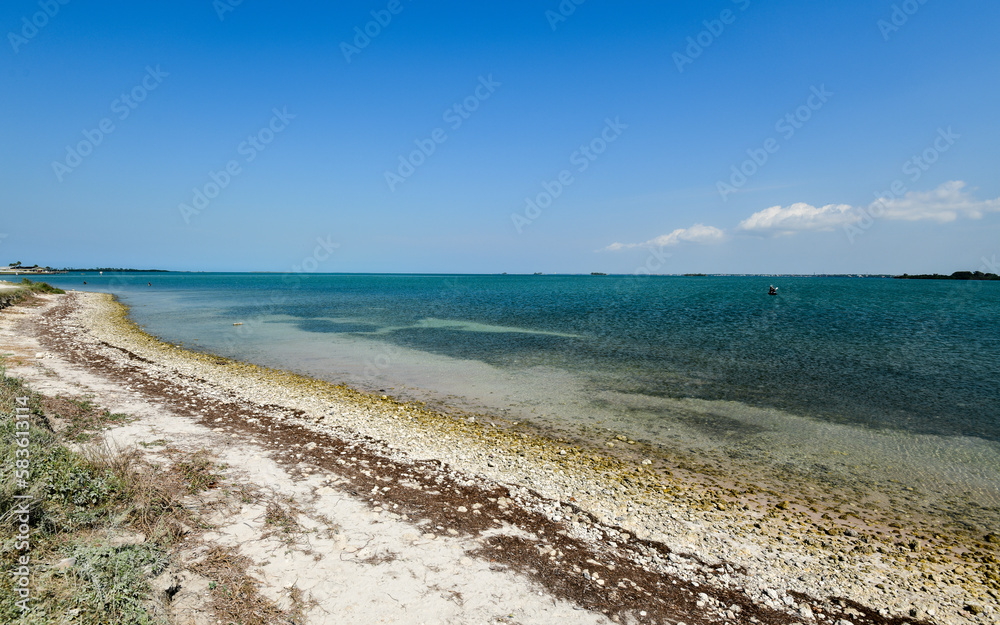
(899, 376)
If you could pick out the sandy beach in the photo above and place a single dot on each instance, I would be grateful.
(414, 515)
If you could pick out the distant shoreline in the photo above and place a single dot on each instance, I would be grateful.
(958, 275)
(399, 273)
(54, 272)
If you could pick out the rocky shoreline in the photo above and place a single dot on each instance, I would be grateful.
(621, 535)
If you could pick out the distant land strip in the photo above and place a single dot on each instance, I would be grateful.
(958, 275)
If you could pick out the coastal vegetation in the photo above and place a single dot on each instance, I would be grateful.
(110, 270)
(72, 499)
(26, 290)
(19, 268)
(958, 275)
(41, 287)
(96, 526)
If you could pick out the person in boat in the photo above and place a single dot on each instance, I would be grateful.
(772, 290)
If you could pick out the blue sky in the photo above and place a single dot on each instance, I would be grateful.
(721, 136)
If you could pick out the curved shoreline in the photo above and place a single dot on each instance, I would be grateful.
(785, 545)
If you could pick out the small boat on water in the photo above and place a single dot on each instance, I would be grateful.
(772, 290)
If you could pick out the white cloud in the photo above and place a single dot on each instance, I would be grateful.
(946, 203)
(698, 233)
(798, 217)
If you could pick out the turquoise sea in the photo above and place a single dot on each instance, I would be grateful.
(860, 378)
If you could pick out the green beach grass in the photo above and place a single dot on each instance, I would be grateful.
(17, 292)
(76, 502)
(94, 526)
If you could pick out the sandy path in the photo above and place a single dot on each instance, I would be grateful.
(353, 564)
